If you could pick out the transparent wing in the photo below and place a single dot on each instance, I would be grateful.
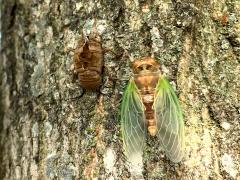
(169, 119)
(132, 122)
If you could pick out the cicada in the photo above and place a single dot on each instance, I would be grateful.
(150, 106)
(88, 59)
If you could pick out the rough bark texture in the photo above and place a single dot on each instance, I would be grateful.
(52, 129)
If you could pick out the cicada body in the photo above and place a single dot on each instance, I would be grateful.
(150, 105)
(88, 59)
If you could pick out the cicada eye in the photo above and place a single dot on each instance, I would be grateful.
(148, 67)
(140, 68)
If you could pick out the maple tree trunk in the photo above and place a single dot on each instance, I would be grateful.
(51, 128)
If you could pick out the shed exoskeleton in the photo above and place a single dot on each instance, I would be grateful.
(88, 60)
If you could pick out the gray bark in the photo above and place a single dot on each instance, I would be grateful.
(52, 129)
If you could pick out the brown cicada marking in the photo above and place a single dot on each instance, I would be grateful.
(146, 75)
(88, 59)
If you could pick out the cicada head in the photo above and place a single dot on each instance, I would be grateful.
(146, 72)
(145, 65)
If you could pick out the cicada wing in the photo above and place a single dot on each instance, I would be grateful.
(169, 120)
(132, 122)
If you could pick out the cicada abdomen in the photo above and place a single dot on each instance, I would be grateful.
(88, 59)
(150, 105)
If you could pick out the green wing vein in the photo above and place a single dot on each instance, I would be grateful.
(169, 120)
(132, 121)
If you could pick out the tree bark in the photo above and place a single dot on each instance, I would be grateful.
(51, 128)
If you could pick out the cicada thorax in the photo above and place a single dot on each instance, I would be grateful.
(88, 59)
(146, 76)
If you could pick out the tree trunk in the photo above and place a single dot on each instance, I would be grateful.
(51, 128)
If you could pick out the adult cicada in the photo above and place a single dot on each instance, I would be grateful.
(150, 105)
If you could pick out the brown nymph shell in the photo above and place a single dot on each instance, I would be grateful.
(88, 60)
